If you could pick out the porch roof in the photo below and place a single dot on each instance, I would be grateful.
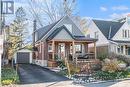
(79, 38)
(122, 42)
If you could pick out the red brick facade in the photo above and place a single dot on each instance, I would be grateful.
(42, 53)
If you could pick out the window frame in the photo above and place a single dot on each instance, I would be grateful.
(50, 46)
(96, 35)
(79, 49)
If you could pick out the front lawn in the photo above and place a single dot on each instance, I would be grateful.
(9, 76)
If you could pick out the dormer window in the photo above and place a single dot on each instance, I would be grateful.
(69, 27)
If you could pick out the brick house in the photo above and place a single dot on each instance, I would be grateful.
(62, 39)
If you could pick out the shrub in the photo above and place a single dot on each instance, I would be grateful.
(9, 76)
(102, 56)
(7, 82)
(124, 58)
(110, 65)
(73, 69)
(104, 75)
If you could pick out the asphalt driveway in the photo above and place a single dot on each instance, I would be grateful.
(32, 74)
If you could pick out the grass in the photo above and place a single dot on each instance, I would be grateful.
(9, 76)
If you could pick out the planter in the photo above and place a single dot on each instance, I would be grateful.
(52, 64)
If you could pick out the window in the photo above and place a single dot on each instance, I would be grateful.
(118, 49)
(121, 49)
(96, 35)
(128, 20)
(50, 47)
(123, 33)
(78, 48)
(69, 27)
(126, 33)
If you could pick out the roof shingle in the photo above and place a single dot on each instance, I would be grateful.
(105, 27)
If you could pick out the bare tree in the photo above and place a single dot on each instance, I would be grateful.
(49, 11)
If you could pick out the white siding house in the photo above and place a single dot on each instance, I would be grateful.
(114, 35)
(93, 29)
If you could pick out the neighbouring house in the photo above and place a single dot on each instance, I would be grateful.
(113, 36)
(61, 39)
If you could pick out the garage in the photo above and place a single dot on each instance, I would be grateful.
(23, 56)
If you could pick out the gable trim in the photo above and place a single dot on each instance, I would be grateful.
(57, 31)
(117, 31)
(57, 24)
(99, 29)
(52, 28)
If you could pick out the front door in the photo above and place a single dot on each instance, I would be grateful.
(61, 50)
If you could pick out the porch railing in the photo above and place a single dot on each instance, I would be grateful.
(84, 56)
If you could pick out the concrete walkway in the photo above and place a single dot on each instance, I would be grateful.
(125, 83)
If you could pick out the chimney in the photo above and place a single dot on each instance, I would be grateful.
(34, 30)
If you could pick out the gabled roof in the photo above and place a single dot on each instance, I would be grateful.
(57, 31)
(108, 28)
(43, 31)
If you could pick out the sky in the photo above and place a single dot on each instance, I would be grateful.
(103, 9)
(100, 9)
(93, 9)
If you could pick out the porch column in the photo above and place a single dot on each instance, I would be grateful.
(95, 51)
(73, 51)
(53, 50)
(124, 49)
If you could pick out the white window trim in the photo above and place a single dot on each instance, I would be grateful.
(96, 35)
(50, 45)
(126, 33)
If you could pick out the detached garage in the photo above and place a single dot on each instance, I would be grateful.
(23, 56)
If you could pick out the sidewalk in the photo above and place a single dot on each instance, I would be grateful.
(122, 84)
(125, 83)
(51, 84)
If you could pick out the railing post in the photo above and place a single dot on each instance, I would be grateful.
(73, 49)
(95, 51)
(67, 64)
(53, 50)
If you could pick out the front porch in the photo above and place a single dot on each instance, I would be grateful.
(74, 51)
(123, 50)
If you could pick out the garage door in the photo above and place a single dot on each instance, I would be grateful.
(23, 57)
